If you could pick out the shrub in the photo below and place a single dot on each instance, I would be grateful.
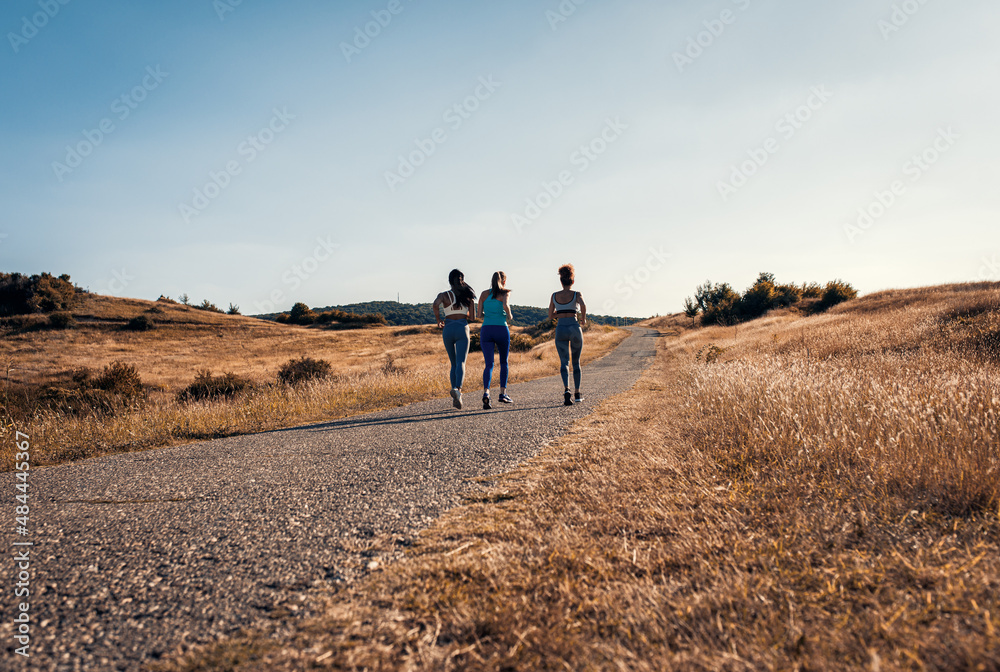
(233, 309)
(301, 314)
(185, 299)
(296, 371)
(521, 343)
(61, 320)
(166, 299)
(837, 291)
(141, 323)
(812, 290)
(209, 306)
(474, 344)
(209, 387)
(44, 293)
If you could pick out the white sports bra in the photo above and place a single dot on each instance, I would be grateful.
(450, 310)
(570, 307)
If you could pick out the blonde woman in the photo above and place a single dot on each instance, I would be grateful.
(495, 334)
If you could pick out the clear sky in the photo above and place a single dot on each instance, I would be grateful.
(244, 151)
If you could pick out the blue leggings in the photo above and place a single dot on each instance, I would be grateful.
(456, 342)
(568, 333)
(489, 336)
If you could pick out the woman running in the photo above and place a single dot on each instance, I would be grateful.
(459, 305)
(495, 312)
(569, 336)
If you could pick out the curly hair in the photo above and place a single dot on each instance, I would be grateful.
(567, 274)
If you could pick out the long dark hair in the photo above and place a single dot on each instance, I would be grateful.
(464, 295)
(497, 284)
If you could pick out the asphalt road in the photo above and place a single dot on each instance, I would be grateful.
(138, 554)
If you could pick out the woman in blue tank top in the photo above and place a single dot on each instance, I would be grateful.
(495, 334)
(564, 306)
(459, 306)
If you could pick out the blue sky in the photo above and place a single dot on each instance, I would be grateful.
(263, 153)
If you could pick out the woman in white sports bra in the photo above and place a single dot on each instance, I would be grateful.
(459, 306)
(565, 305)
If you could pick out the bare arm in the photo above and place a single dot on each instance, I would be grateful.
(437, 313)
(482, 299)
(552, 308)
(506, 309)
(472, 309)
(583, 309)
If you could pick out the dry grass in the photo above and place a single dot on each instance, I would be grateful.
(374, 368)
(822, 496)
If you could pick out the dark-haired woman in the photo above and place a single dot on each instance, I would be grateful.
(495, 334)
(459, 306)
(565, 305)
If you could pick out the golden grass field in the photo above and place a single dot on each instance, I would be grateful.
(373, 368)
(823, 494)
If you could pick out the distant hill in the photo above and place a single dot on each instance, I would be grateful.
(399, 314)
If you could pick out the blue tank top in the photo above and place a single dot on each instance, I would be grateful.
(493, 313)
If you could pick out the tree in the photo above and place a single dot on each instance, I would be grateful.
(233, 309)
(691, 308)
(185, 299)
(301, 314)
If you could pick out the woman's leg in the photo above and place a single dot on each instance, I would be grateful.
(449, 345)
(486, 343)
(562, 347)
(503, 346)
(461, 354)
(577, 343)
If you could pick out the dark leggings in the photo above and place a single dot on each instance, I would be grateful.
(568, 333)
(489, 336)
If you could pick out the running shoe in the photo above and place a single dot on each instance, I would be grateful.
(578, 398)
(567, 399)
(456, 398)
(505, 399)
(486, 402)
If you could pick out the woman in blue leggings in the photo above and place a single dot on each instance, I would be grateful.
(459, 306)
(495, 333)
(566, 305)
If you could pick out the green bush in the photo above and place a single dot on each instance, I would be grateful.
(812, 290)
(209, 387)
(61, 320)
(837, 291)
(296, 371)
(141, 323)
(44, 293)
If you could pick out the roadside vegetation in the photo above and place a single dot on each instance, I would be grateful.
(821, 493)
(124, 374)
